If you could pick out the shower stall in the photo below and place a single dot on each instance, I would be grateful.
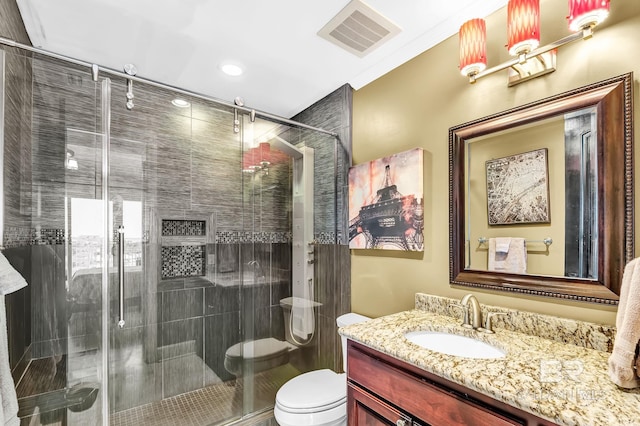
(160, 244)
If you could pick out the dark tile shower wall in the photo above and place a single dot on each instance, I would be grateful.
(333, 284)
(17, 183)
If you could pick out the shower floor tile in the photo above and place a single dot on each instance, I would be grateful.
(213, 405)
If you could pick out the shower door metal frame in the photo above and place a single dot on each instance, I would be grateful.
(95, 69)
(106, 144)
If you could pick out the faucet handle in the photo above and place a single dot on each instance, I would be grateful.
(487, 328)
(466, 322)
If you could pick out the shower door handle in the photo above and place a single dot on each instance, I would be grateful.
(121, 275)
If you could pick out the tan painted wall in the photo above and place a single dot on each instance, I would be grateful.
(414, 106)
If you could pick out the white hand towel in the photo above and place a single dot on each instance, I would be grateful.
(8, 397)
(623, 360)
(10, 279)
(502, 245)
(514, 260)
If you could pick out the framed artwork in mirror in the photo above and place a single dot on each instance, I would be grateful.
(518, 189)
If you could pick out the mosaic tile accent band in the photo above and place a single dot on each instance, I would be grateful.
(325, 238)
(18, 237)
(183, 261)
(190, 228)
(45, 236)
(230, 237)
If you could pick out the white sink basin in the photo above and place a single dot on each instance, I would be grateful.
(453, 344)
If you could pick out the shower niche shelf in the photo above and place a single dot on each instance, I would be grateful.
(183, 252)
(184, 228)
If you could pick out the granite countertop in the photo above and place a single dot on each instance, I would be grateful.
(564, 383)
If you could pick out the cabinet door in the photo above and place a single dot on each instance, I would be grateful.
(364, 409)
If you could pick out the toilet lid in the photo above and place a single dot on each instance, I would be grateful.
(320, 389)
(258, 349)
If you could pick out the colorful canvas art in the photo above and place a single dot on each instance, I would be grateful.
(386, 203)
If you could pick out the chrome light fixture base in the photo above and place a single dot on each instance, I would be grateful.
(537, 66)
(546, 64)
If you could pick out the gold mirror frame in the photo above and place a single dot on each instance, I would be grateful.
(612, 99)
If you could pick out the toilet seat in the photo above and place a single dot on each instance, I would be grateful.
(313, 391)
(262, 354)
(315, 398)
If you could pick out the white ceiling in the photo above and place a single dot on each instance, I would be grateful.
(288, 66)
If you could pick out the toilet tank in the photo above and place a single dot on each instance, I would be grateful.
(343, 321)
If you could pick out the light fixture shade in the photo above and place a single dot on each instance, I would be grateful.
(264, 152)
(587, 13)
(246, 163)
(523, 26)
(473, 47)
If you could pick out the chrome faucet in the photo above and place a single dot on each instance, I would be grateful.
(473, 313)
(258, 270)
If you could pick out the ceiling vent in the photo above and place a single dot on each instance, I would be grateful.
(359, 29)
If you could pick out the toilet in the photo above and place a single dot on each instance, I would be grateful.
(317, 398)
(261, 355)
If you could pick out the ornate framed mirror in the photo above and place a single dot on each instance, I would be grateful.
(583, 185)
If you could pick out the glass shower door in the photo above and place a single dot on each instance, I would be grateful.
(61, 152)
(267, 259)
(134, 370)
(175, 192)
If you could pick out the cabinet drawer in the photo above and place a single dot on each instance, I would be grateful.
(367, 410)
(429, 402)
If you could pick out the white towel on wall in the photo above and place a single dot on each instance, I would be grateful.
(507, 255)
(10, 281)
(9, 406)
(623, 363)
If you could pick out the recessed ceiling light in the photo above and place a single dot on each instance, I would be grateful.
(180, 103)
(231, 69)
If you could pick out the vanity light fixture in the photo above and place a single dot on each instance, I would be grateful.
(523, 28)
(261, 157)
(473, 47)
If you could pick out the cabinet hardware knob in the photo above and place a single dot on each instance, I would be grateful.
(401, 422)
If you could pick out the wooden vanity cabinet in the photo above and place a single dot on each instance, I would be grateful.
(383, 390)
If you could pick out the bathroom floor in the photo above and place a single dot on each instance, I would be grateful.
(213, 405)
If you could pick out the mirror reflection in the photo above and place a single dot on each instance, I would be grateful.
(532, 198)
(541, 195)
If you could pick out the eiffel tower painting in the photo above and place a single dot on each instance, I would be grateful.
(386, 203)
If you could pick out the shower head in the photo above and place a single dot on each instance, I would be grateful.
(238, 101)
